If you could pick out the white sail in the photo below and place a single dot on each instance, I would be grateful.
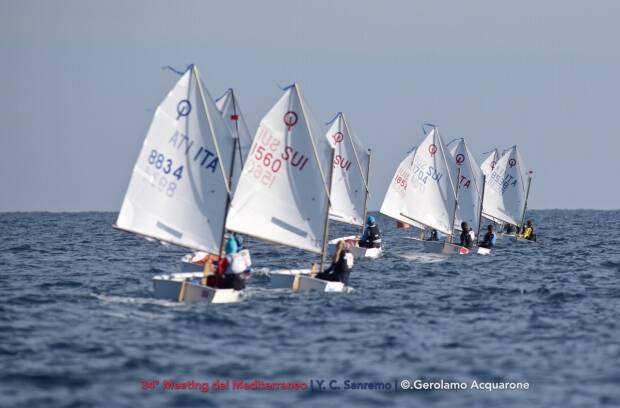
(228, 105)
(489, 163)
(351, 160)
(470, 186)
(394, 201)
(506, 188)
(177, 192)
(282, 192)
(430, 195)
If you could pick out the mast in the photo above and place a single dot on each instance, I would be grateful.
(367, 190)
(456, 203)
(329, 204)
(229, 183)
(328, 188)
(484, 182)
(529, 182)
(236, 119)
(227, 178)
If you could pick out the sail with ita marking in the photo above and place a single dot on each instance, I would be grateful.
(178, 188)
(506, 188)
(282, 194)
(470, 186)
(351, 161)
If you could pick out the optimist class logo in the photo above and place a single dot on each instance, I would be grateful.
(290, 119)
(432, 149)
(460, 158)
(184, 107)
(512, 162)
(492, 164)
(338, 137)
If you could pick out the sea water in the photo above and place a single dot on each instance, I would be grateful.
(79, 325)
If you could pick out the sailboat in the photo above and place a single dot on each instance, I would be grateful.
(507, 189)
(283, 194)
(425, 194)
(228, 105)
(471, 189)
(180, 186)
(488, 164)
(349, 189)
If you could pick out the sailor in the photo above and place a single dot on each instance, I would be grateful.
(528, 231)
(433, 236)
(467, 236)
(436, 236)
(371, 238)
(489, 238)
(510, 229)
(341, 266)
(231, 268)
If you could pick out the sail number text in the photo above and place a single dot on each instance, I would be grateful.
(499, 183)
(267, 158)
(421, 175)
(160, 162)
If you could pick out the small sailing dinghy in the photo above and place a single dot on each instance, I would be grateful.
(471, 191)
(487, 166)
(349, 189)
(507, 189)
(424, 193)
(228, 106)
(283, 192)
(180, 187)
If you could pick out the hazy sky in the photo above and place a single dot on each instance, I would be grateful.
(80, 81)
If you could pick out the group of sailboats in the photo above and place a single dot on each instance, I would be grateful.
(437, 191)
(199, 177)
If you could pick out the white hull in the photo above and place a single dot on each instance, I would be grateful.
(168, 287)
(285, 279)
(442, 247)
(353, 247)
(484, 251)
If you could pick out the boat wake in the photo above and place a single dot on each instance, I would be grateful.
(423, 257)
(112, 299)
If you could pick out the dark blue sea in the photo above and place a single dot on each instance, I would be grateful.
(79, 326)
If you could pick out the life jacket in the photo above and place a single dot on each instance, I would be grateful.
(528, 232)
(466, 239)
(489, 239)
(374, 234)
(344, 266)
